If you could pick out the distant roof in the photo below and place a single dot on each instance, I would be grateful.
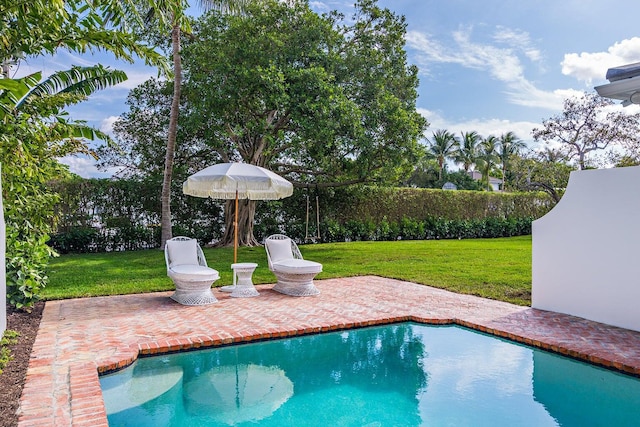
(449, 186)
(623, 72)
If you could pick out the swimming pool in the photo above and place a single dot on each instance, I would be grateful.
(395, 375)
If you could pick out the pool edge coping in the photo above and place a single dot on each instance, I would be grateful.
(201, 342)
(86, 404)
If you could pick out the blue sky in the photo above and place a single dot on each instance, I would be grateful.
(491, 66)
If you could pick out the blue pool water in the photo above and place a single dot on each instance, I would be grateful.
(397, 375)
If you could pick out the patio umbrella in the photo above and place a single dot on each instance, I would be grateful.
(230, 181)
(234, 394)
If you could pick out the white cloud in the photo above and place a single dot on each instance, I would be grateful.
(631, 109)
(429, 51)
(85, 166)
(523, 92)
(65, 57)
(519, 40)
(135, 77)
(106, 125)
(318, 5)
(588, 66)
(501, 62)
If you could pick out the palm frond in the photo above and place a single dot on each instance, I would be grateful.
(72, 135)
(12, 91)
(78, 80)
(83, 80)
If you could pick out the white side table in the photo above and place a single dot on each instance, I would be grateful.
(242, 283)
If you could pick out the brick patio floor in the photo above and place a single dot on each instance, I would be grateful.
(79, 338)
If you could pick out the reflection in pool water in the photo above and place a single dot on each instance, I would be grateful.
(237, 393)
(396, 375)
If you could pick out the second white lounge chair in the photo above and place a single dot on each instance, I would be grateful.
(188, 269)
(293, 273)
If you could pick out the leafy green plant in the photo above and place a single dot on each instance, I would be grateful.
(34, 132)
(77, 239)
(9, 338)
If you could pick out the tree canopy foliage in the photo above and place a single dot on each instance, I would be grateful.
(40, 27)
(141, 133)
(318, 100)
(546, 171)
(35, 129)
(587, 124)
(311, 97)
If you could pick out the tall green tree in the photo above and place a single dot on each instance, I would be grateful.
(425, 173)
(35, 129)
(587, 124)
(509, 145)
(319, 99)
(468, 150)
(170, 15)
(34, 132)
(141, 133)
(540, 171)
(443, 146)
(487, 158)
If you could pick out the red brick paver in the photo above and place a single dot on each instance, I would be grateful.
(81, 337)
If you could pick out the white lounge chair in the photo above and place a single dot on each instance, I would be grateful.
(293, 273)
(188, 269)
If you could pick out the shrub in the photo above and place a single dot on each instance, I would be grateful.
(107, 215)
(77, 239)
(9, 338)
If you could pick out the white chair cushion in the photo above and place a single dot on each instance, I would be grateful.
(297, 266)
(279, 249)
(182, 252)
(193, 272)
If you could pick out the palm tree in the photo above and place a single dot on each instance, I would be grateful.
(552, 155)
(467, 150)
(46, 100)
(35, 132)
(36, 27)
(509, 144)
(173, 13)
(487, 157)
(443, 146)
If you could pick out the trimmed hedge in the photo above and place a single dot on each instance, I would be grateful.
(101, 215)
(433, 228)
(395, 204)
(98, 215)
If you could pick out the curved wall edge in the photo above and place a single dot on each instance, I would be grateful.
(585, 253)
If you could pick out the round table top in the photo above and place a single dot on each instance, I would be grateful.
(239, 265)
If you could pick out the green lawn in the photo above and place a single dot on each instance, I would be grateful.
(492, 268)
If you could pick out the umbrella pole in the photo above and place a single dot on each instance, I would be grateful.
(235, 232)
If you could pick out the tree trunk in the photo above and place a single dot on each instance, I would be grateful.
(504, 177)
(246, 214)
(166, 233)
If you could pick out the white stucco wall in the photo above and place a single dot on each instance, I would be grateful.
(586, 251)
